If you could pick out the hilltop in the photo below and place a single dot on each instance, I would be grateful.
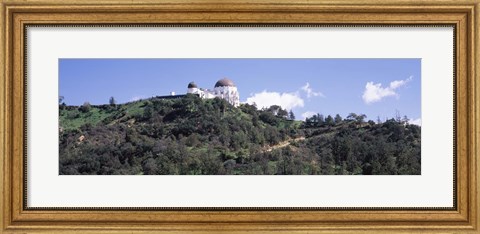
(189, 135)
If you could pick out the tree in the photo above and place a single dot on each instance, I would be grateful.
(268, 118)
(282, 113)
(308, 122)
(398, 117)
(112, 101)
(360, 118)
(274, 109)
(329, 120)
(291, 115)
(278, 111)
(60, 99)
(338, 119)
(319, 120)
(85, 107)
(147, 113)
(62, 106)
(149, 165)
(405, 120)
(351, 117)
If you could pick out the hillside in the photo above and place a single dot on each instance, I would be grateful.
(189, 136)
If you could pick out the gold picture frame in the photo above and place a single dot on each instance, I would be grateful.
(17, 14)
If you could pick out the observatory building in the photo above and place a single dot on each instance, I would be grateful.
(224, 88)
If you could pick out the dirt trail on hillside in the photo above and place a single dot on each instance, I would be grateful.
(283, 144)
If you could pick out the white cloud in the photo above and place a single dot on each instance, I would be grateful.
(308, 114)
(310, 92)
(375, 92)
(416, 121)
(285, 100)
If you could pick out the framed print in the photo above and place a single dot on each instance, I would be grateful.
(239, 117)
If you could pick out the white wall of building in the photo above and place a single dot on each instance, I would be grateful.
(229, 93)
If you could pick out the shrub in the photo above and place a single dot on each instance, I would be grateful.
(85, 107)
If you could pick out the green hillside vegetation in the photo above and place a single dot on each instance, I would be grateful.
(193, 136)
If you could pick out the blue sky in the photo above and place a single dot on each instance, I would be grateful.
(375, 87)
